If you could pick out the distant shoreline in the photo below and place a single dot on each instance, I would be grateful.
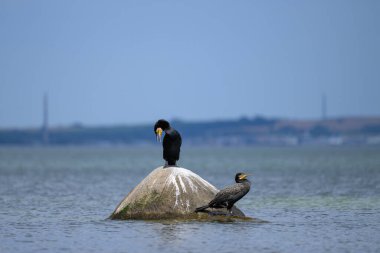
(256, 131)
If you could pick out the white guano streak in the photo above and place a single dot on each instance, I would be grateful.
(188, 176)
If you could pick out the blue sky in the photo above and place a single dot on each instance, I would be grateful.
(129, 62)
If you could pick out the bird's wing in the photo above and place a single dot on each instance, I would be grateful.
(238, 195)
(229, 193)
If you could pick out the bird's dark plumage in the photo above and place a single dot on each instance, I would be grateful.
(171, 142)
(227, 197)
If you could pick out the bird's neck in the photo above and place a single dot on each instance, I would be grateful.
(245, 182)
(167, 129)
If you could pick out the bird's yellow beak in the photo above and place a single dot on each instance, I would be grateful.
(243, 176)
(158, 134)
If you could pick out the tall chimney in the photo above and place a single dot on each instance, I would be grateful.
(45, 126)
(324, 107)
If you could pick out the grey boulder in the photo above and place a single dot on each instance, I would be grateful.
(170, 192)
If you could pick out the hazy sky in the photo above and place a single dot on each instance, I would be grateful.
(128, 62)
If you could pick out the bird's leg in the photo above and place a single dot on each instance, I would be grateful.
(229, 209)
(170, 164)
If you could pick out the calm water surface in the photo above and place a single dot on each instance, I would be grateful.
(314, 199)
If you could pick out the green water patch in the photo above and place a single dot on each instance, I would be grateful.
(331, 202)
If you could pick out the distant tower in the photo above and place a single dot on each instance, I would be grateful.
(324, 107)
(45, 126)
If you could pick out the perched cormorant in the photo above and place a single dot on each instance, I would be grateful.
(229, 195)
(171, 143)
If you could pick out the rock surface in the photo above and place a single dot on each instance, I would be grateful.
(171, 192)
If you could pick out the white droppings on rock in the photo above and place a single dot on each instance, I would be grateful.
(172, 180)
(193, 187)
(190, 177)
(181, 183)
(178, 176)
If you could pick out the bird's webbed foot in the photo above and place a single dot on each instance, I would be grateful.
(229, 213)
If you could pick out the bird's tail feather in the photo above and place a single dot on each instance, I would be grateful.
(201, 209)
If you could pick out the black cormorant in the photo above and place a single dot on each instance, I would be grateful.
(171, 143)
(227, 197)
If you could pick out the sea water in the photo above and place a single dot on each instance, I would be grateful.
(308, 199)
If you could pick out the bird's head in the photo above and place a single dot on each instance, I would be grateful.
(241, 177)
(160, 126)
